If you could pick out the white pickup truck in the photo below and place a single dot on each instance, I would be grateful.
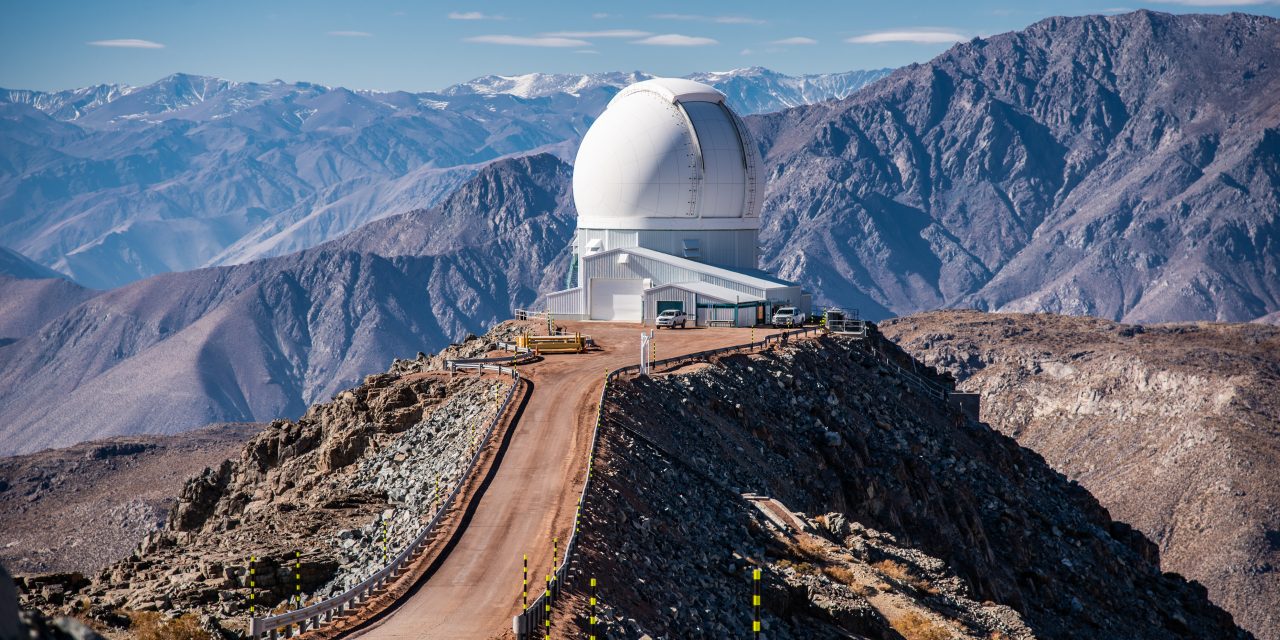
(672, 318)
(787, 317)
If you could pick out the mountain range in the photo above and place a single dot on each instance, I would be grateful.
(267, 338)
(110, 184)
(1054, 169)
(1124, 166)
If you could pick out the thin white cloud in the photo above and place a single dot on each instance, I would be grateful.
(587, 51)
(921, 36)
(675, 40)
(607, 33)
(689, 17)
(529, 41)
(126, 43)
(600, 15)
(794, 41)
(474, 15)
(745, 52)
(1218, 3)
(351, 34)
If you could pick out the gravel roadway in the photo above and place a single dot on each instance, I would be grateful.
(476, 590)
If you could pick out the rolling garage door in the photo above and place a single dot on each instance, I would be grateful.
(616, 300)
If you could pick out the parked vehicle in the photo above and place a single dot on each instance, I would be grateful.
(787, 317)
(672, 318)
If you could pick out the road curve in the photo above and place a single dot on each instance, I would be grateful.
(476, 589)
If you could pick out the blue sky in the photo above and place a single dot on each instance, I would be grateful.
(378, 44)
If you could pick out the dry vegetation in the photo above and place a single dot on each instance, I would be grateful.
(914, 626)
(899, 573)
(151, 625)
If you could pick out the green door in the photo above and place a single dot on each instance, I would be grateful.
(664, 305)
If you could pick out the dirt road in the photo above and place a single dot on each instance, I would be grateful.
(476, 589)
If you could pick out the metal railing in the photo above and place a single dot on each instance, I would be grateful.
(530, 314)
(313, 616)
(928, 387)
(489, 364)
(537, 614)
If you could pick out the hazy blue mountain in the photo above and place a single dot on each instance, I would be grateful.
(17, 266)
(267, 338)
(111, 183)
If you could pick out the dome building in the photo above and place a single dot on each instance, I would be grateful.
(668, 190)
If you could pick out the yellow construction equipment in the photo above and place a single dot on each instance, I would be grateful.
(567, 343)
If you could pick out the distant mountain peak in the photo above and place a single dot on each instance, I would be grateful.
(15, 265)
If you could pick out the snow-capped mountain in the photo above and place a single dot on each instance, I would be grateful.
(69, 104)
(112, 183)
(536, 85)
(759, 90)
(750, 90)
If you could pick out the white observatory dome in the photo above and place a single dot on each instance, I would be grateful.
(667, 154)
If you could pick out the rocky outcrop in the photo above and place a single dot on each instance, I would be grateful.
(1119, 166)
(932, 524)
(313, 505)
(1175, 428)
(81, 508)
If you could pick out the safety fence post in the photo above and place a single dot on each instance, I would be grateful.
(755, 603)
(253, 585)
(546, 621)
(591, 628)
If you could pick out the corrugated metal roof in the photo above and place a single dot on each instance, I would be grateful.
(753, 278)
(709, 290)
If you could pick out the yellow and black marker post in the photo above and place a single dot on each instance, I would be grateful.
(297, 576)
(553, 587)
(546, 610)
(755, 603)
(524, 602)
(253, 584)
(591, 622)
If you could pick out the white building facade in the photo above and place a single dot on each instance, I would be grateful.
(668, 190)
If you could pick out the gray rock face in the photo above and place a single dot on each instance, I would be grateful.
(1121, 166)
(261, 340)
(1174, 427)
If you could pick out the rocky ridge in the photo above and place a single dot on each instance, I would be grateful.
(327, 497)
(1120, 166)
(931, 524)
(1175, 428)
